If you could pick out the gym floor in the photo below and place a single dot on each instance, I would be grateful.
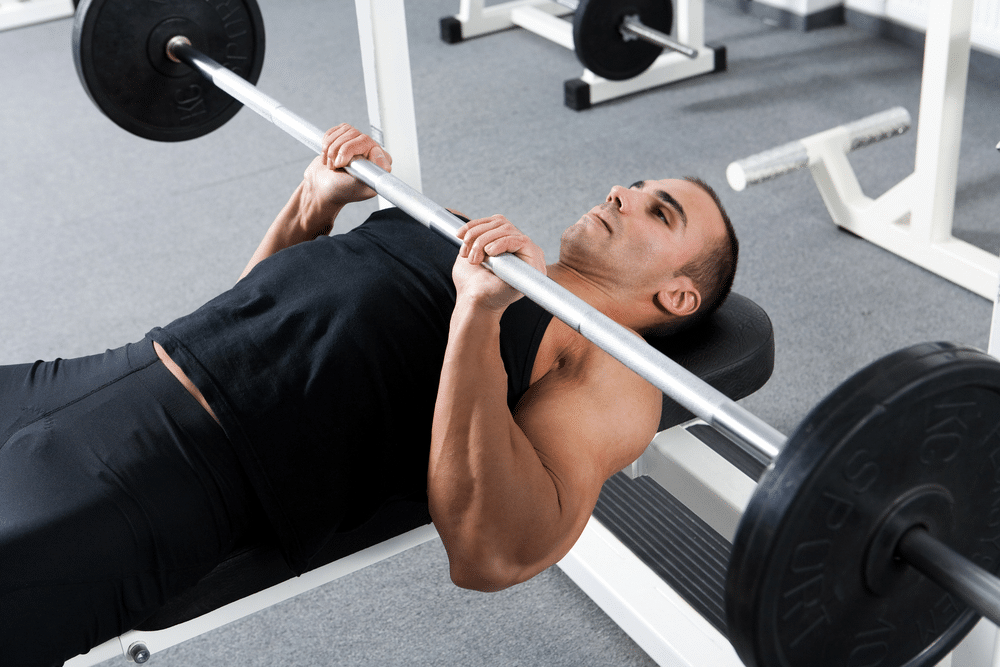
(104, 235)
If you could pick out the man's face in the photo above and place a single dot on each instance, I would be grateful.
(643, 233)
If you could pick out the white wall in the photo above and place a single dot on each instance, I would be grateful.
(909, 13)
(913, 14)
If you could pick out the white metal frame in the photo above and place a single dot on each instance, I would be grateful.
(385, 58)
(163, 639)
(542, 17)
(914, 218)
(655, 616)
(660, 621)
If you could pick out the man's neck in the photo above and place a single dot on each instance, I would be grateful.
(589, 290)
(562, 346)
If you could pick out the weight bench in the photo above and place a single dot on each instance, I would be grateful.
(733, 351)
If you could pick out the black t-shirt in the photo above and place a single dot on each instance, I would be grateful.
(322, 365)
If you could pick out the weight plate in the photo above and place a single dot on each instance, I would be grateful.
(912, 439)
(600, 45)
(119, 47)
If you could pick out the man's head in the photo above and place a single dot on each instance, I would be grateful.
(664, 252)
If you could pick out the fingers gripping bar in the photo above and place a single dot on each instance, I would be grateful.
(795, 155)
(756, 437)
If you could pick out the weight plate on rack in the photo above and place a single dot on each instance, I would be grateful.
(119, 48)
(599, 42)
(913, 439)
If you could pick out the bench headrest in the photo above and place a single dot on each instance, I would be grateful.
(733, 350)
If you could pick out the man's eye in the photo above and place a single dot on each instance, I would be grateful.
(662, 216)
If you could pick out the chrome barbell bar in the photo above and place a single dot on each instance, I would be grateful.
(758, 438)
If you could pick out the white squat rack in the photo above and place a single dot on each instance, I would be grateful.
(545, 18)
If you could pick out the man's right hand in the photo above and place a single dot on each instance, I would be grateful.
(327, 186)
(489, 237)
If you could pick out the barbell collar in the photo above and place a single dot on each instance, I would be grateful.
(632, 25)
(952, 572)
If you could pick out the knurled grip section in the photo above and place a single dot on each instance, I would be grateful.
(775, 162)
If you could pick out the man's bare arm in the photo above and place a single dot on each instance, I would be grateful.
(510, 496)
(325, 190)
(300, 220)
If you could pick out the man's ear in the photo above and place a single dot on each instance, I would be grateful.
(680, 297)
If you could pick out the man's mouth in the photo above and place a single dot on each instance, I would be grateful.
(602, 221)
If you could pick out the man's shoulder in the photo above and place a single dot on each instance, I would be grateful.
(596, 407)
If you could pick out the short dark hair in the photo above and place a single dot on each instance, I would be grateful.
(712, 272)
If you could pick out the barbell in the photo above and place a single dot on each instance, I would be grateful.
(613, 39)
(873, 538)
(620, 40)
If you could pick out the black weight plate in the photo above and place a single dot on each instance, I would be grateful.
(119, 47)
(914, 435)
(598, 39)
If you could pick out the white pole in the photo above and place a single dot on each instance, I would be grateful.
(385, 57)
(942, 103)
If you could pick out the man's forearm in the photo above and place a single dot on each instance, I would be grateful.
(300, 220)
(490, 496)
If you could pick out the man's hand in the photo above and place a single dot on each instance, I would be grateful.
(327, 187)
(324, 191)
(489, 237)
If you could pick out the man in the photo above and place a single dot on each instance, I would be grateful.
(510, 493)
(304, 398)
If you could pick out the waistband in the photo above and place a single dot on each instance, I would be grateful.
(167, 390)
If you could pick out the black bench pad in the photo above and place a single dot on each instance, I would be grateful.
(733, 351)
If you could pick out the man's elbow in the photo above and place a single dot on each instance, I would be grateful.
(486, 575)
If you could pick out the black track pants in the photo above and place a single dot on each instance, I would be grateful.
(117, 491)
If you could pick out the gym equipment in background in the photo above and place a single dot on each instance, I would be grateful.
(625, 47)
(914, 218)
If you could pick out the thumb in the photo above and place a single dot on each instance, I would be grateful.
(381, 158)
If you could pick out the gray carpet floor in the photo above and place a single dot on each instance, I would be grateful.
(104, 235)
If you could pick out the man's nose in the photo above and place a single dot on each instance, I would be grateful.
(619, 197)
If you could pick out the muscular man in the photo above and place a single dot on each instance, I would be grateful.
(337, 374)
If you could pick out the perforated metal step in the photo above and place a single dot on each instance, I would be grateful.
(671, 540)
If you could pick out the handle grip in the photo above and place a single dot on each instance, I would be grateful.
(794, 155)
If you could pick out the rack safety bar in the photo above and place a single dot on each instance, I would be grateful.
(795, 155)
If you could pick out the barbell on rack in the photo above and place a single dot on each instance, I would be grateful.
(617, 40)
(873, 538)
(612, 39)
